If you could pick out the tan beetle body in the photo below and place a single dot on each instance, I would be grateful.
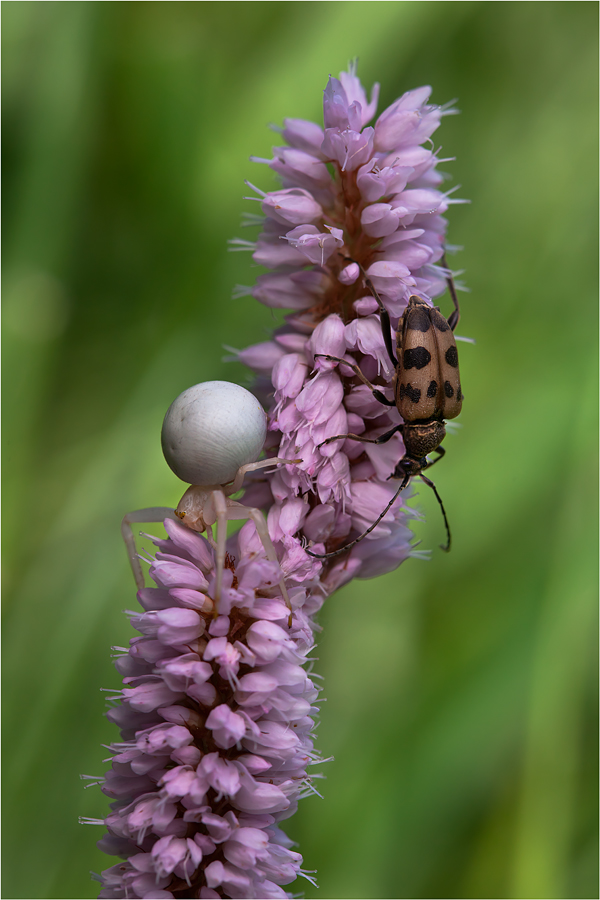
(426, 382)
(426, 387)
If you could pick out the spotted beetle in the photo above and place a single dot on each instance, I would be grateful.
(427, 391)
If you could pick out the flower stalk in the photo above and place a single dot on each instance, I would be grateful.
(218, 707)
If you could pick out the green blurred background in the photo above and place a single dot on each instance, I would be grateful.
(461, 691)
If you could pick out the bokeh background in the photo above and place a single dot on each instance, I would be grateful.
(461, 691)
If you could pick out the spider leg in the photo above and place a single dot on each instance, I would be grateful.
(263, 533)
(210, 538)
(152, 514)
(216, 510)
(236, 484)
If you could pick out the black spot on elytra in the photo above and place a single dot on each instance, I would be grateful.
(432, 389)
(459, 394)
(416, 358)
(418, 319)
(439, 321)
(413, 394)
(451, 357)
(448, 389)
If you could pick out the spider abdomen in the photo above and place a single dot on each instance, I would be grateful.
(211, 430)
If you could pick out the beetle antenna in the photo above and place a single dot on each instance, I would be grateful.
(428, 481)
(455, 316)
(370, 529)
(368, 283)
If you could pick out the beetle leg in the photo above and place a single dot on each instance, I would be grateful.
(455, 316)
(439, 500)
(382, 439)
(152, 514)
(368, 531)
(376, 392)
(441, 452)
(384, 318)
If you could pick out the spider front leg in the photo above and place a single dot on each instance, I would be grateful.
(236, 484)
(216, 511)
(146, 516)
(228, 510)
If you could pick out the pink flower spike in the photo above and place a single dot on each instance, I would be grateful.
(261, 357)
(313, 244)
(349, 274)
(246, 846)
(218, 699)
(350, 149)
(379, 219)
(167, 852)
(227, 727)
(392, 279)
(303, 135)
(292, 207)
(329, 337)
(179, 626)
(150, 696)
(222, 775)
(300, 167)
(356, 93)
(337, 112)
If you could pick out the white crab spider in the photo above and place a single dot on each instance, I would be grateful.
(211, 436)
